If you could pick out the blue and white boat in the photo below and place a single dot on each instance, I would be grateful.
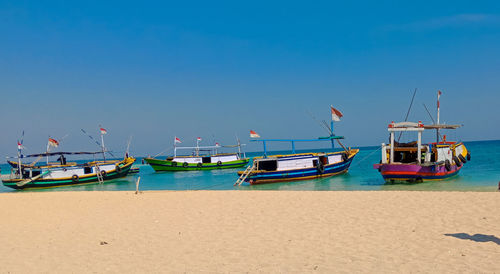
(299, 166)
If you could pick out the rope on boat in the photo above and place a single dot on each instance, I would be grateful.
(370, 154)
(162, 152)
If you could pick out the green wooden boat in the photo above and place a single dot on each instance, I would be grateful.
(202, 158)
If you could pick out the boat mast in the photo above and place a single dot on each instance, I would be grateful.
(175, 147)
(19, 147)
(331, 134)
(197, 146)
(102, 144)
(437, 129)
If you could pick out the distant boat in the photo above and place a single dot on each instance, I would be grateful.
(301, 166)
(417, 162)
(201, 158)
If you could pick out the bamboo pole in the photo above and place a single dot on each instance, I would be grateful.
(137, 185)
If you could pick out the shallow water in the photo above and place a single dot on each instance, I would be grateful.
(482, 173)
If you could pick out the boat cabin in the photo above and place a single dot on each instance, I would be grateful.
(416, 152)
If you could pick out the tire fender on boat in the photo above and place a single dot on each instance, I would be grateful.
(75, 178)
(174, 163)
(320, 167)
(219, 163)
(345, 157)
(462, 158)
(118, 168)
(457, 161)
(185, 164)
(447, 165)
(104, 173)
(468, 156)
(199, 165)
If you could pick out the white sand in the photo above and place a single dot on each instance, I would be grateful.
(249, 231)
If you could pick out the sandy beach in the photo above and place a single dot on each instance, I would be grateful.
(250, 231)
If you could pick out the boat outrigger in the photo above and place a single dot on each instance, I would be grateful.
(63, 173)
(301, 166)
(417, 162)
(201, 158)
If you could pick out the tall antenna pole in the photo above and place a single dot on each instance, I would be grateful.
(408, 112)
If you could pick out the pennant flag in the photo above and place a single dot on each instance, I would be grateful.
(439, 95)
(198, 139)
(217, 145)
(177, 140)
(254, 134)
(53, 142)
(103, 131)
(336, 114)
(19, 145)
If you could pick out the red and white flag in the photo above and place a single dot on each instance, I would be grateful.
(53, 142)
(217, 145)
(336, 114)
(198, 139)
(254, 134)
(19, 145)
(177, 140)
(439, 95)
(103, 131)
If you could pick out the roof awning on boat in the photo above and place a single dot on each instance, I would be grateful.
(63, 153)
(440, 126)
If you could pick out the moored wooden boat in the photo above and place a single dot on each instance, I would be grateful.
(52, 175)
(302, 166)
(63, 173)
(417, 162)
(202, 158)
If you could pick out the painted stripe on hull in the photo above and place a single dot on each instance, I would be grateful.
(54, 183)
(304, 174)
(162, 165)
(416, 172)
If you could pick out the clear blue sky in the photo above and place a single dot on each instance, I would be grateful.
(158, 69)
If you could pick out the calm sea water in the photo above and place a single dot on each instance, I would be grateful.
(482, 173)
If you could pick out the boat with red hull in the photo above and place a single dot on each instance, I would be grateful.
(417, 162)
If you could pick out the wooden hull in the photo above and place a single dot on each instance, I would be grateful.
(264, 177)
(168, 165)
(416, 173)
(121, 171)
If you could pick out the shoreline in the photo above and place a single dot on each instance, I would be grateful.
(250, 231)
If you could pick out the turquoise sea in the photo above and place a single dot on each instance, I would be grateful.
(482, 173)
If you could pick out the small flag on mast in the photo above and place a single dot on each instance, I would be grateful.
(217, 145)
(439, 95)
(103, 131)
(177, 140)
(53, 142)
(336, 114)
(19, 145)
(254, 134)
(198, 139)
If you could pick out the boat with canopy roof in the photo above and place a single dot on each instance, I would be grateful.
(298, 166)
(201, 158)
(417, 162)
(63, 173)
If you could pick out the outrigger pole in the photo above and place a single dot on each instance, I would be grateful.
(292, 141)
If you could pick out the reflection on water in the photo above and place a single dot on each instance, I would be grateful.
(482, 173)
